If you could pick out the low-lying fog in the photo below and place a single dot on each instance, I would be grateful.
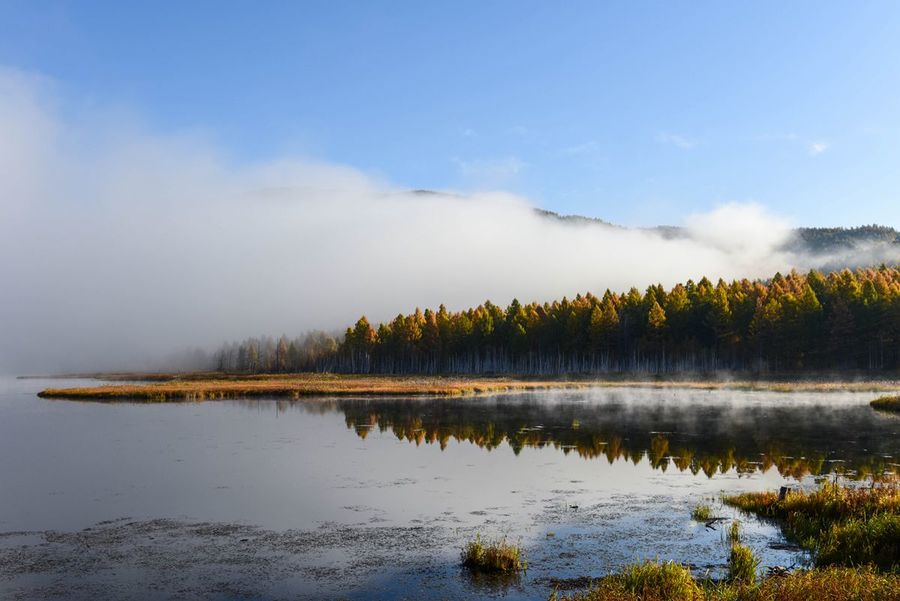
(120, 244)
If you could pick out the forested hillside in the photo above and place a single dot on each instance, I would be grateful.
(812, 241)
(840, 321)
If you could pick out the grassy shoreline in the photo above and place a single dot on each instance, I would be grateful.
(887, 403)
(303, 385)
(854, 534)
(207, 386)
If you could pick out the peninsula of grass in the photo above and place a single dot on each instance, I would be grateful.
(212, 385)
(493, 557)
(300, 385)
(840, 525)
(887, 403)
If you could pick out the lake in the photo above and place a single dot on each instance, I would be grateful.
(374, 498)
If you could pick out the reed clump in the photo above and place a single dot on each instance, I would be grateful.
(701, 513)
(840, 525)
(743, 563)
(887, 403)
(654, 581)
(493, 557)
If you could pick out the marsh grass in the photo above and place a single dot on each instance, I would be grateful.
(214, 386)
(187, 388)
(840, 525)
(493, 557)
(743, 563)
(701, 513)
(734, 533)
(887, 403)
(648, 581)
(666, 581)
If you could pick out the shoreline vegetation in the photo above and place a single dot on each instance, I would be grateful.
(190, 388)
(887, 403)
(853, 534)
(214, 386)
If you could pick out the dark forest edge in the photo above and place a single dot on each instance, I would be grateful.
(843, 321)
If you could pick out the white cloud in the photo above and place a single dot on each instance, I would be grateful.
(747, 230)
(588, 147)
(789, 137)
(490, 172)
(676, 140)
(817, 148)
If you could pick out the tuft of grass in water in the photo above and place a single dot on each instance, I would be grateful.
(743, 564)
(648, 581)
(667, 581)
(701, 513)
(841, 525)
(734, 533)
(887, 403)
(497, 557)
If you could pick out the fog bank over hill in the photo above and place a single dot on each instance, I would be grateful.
(826, 248)
(121, 244)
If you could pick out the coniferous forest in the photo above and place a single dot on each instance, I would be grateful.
(846, 320)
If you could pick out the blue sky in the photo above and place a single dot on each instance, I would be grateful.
(635, 112)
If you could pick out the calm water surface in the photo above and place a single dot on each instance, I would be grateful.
(372, 499)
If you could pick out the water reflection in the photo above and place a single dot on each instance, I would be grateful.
(709, 432)
(375, 496)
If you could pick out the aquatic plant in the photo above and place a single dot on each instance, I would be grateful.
(667, 581)
(734, 533)
(743, 564)
(841, 525)
(648, 581)
(497, 556)
(701, 513)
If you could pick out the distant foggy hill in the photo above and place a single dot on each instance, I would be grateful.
(836, 246)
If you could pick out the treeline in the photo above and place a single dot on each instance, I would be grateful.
(829, 239)
(316, 351)
(840, 321)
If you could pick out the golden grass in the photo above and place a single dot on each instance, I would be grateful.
(841, 525)
(666, 582)
(206, 386)
(495, 557)
(886, 403)
(701, 513)
(300, 386)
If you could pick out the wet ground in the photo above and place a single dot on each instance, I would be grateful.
(373, 499)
